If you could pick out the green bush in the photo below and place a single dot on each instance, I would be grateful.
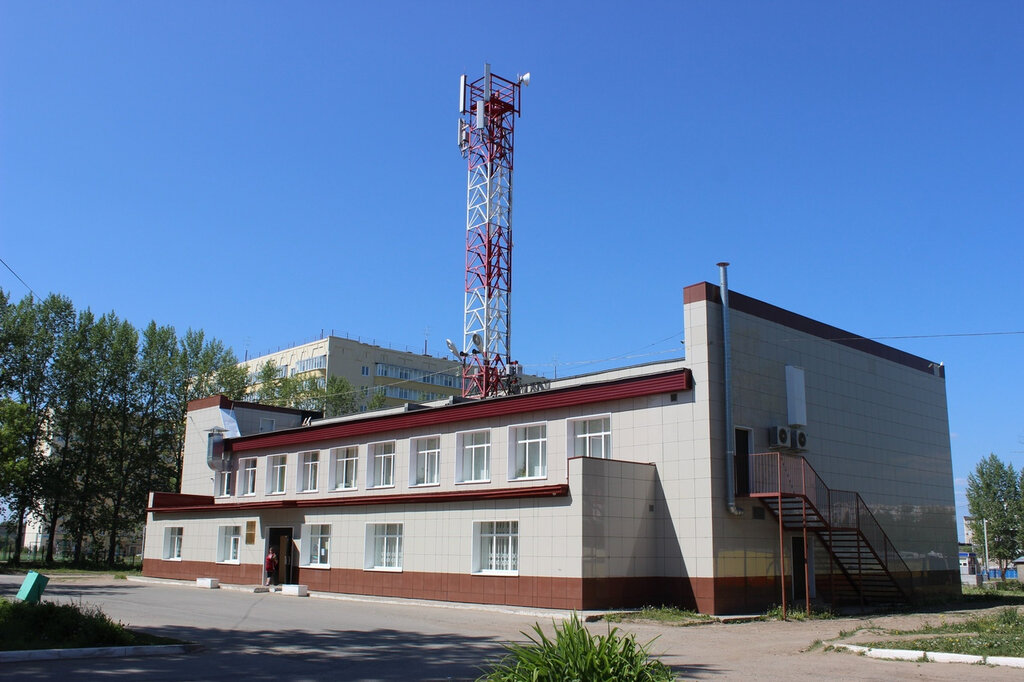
(575, 654)
(46, 625)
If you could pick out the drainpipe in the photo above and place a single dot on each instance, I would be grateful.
(730, 429)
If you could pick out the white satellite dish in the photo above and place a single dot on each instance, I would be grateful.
(525, 79)
(451, 347)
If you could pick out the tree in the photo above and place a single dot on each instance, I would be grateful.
(994, 496)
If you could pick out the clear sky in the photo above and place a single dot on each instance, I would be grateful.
(268, 171)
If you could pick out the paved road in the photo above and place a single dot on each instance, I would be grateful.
(273, 637)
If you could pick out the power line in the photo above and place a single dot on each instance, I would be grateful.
(19, 278)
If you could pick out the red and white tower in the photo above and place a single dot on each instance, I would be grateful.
(488, 108)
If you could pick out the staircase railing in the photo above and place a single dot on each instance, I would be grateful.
(773, 473)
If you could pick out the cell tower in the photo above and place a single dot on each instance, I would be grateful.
(488, 108)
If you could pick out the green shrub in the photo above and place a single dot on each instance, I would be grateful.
(46, 625)
(575, 654)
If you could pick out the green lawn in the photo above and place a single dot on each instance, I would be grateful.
(998, 634)
(47, 625)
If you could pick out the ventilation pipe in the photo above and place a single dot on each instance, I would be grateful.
(730, 430)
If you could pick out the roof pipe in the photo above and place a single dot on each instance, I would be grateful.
(730, 430)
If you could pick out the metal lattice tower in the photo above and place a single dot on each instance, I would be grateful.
(488, 108)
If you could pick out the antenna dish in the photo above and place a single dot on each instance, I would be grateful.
(477, 341)
(451, 347)
(525, 79)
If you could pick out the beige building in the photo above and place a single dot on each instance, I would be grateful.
(401, 376)
(619, 488)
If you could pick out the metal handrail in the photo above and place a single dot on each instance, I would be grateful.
(773, 473)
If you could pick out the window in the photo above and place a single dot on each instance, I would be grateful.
(496, 547)
(224, 483)
(172, 543)
(228, 540)
(248, 467)
(277, 469)
(266, 424)
(345, 462)
(383, 546)
(530, 458)
(474, 462)
(426, 460)
(382, 465)
(316, 545)
(592, 438)
(309, 472)
(366, 371)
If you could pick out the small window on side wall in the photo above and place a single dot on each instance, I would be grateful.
(172, 543)
(591, 437)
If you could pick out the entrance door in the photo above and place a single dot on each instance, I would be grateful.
(281, 539)
(798, 569)
(742, 462)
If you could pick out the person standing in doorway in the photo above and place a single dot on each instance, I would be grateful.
(270, 567)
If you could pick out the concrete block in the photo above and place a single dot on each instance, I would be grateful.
(1009, 661)
(940, 657)
(295, 590)
(208, 583)
(895, 654)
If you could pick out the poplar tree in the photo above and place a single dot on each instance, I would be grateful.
(994, 501)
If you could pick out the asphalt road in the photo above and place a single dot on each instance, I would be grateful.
(271, 636)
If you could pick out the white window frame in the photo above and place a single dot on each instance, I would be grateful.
(247, 470)
(344, 464)
(496, 547)
(431, 457)
(381, 464)
(388, 534)
(315, 545)
(172, 542)
(520, 435)
(308, 480)
(582, 441)
(472, 451)
(276, 476)
(229, 544)
(223, 481)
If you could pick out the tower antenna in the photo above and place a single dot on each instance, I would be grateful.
(488, 108)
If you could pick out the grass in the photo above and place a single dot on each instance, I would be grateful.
(576, 654)
(817, 613)
(58, 569)
(47, 625)
(667, 615)
(997, 634)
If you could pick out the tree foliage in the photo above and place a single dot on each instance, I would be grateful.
(994, 500)
(92, 416)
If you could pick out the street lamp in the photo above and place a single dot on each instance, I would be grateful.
(984, 525)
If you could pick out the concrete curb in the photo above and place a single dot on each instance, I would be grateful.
(95, 652)
(932, 656)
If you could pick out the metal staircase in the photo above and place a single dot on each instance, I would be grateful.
(874, 571)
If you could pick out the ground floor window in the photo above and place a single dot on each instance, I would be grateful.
(496, 547)
(172, 542)
(316, 545)
(383, 546)
(229, 538)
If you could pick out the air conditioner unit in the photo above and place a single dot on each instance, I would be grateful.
(778, 438)
(798, 439)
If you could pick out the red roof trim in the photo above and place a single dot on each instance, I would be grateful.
(225, 403)
(189, 505)
(677, 380)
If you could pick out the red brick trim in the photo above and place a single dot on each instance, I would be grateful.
(168, 502)
(225, 403)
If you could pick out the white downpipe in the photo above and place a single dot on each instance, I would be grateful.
(730, 429)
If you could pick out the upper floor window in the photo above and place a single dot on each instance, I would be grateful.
(592, 437)
(345, 462)
(474, 458)
(172, 542)
(248, 469)
(530, 454)
(426, 461)
(277, 471)
(309, 471)
(266, 424)
(224, 483)
(229, 539)
(365, 371)
(382, 465)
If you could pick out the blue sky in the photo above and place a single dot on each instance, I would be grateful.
(266, 170)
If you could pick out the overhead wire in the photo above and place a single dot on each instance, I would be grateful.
(34, 294)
